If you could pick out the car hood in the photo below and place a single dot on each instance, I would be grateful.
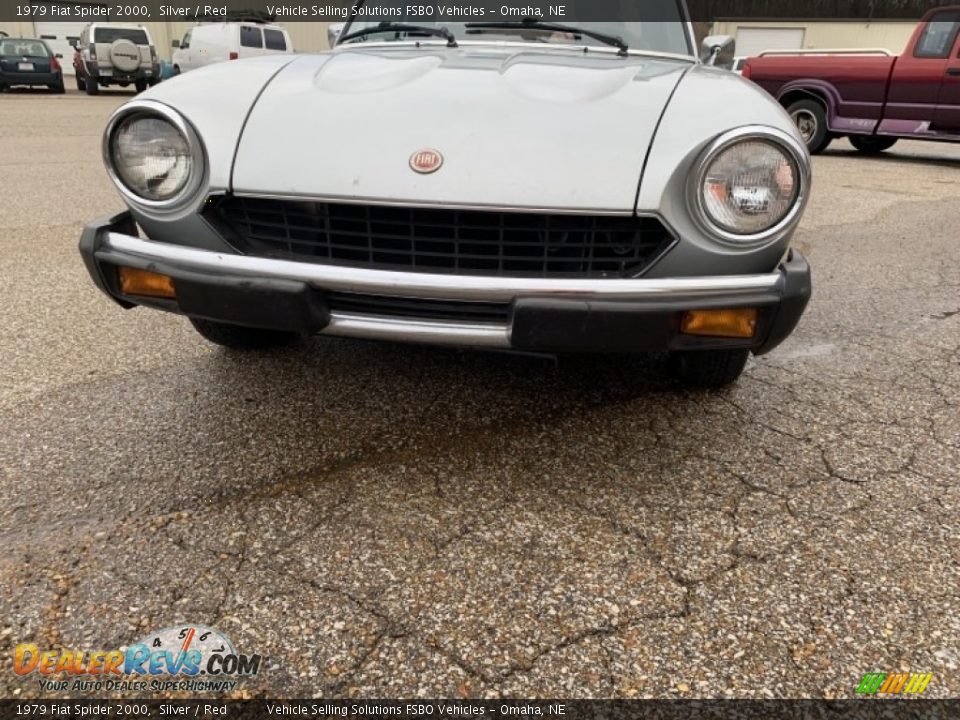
(529, 129)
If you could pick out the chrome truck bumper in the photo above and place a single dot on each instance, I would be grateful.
(549, 315)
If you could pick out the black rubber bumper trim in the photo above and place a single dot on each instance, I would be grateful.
(288, 305)
(536, 324)
(796, 289)
(560, 325)
(274, 304)
(91, 241)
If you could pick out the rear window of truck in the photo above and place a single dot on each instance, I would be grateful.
(109, 35)
(938, 36)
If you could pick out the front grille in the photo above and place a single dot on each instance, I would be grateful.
(465, 242)
(419, 308)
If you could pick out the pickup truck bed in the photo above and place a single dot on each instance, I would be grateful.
(871, 96)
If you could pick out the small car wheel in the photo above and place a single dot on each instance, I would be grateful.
(80, 84)
(810, 118)
(239, 337)
(872, 145)
(59, 89)
(709, 368)
(141, 85)
(91, 85)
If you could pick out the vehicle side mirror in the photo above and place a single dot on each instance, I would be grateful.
(175, 43)
(333, 32)
(718, 50)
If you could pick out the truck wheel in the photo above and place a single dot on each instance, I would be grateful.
(91, 85)
(871, 144)
(239, 337)
(811, 120)
(709, 368)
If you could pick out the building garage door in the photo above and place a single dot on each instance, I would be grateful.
(752, 41)
(60, 36)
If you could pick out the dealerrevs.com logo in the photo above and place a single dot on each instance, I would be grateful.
(191, 658)
(902, 683)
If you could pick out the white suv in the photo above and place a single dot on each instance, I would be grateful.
(112, 54)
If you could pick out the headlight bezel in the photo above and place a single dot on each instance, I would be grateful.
(159, 111)
(783, 141)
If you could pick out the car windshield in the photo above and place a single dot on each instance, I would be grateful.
(24, 48)
(665, 32)
(109, 34)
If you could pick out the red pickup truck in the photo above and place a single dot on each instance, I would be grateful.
(872, 97)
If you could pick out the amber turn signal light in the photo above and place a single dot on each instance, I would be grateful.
(134, 281)
(724, 322)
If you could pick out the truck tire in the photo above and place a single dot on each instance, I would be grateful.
(871, 144)
(239, 337)
(810, 117)
(91, 85)
(708, 368)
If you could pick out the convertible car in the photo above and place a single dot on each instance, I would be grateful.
(544, 187)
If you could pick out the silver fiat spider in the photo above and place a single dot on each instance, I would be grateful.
(545, 187)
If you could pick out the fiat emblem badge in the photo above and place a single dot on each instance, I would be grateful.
(426, 161)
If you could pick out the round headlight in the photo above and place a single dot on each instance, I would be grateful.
(154, 156)
(751, 186)
(151, 157)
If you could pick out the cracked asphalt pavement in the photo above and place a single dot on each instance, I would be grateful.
(384, 520)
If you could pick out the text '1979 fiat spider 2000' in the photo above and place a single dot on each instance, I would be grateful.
(525, 185)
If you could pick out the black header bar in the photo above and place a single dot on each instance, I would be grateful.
(133, 709)
(570, 11)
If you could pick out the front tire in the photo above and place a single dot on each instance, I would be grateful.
(92, 87)
(238, 337)
(709, 368)
(871, 144)
(810, 118)
(58, 89)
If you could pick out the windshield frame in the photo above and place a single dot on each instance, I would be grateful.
(688, 36)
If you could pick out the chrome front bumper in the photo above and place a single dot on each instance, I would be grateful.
(112, 242)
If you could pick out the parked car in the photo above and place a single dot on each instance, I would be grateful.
(210, 43)
(29, 61)
(524, 186)
(871, 96)
(112, 54)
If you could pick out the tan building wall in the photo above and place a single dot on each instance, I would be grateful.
(818, 35)
(17, 29)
